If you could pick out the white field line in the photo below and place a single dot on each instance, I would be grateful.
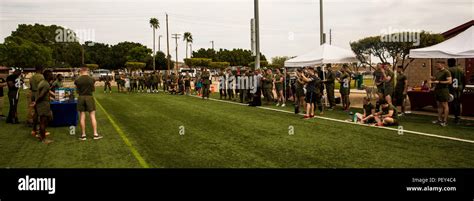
(349, 122)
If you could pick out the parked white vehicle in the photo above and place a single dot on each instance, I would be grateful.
(100, 73)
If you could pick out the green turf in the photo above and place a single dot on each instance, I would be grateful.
(220, 134)
(20, 150)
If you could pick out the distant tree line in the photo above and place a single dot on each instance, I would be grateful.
(37, 45)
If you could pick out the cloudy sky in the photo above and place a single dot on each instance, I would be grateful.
(288, 27)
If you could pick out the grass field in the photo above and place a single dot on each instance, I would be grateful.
(219, 134)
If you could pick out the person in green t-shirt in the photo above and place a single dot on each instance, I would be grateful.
(379, 80)
(42, 105)
(401, 89)
(456, 88)
(32, 116)
(329, 83)
(107, 85)
(187, 83)
(85, 102)
(58, 83)
(345, 80)
(387, 115)
(141, 83)
(206, 83)
(154, 82)
(278, 80)
(442, 79)
(368, 115)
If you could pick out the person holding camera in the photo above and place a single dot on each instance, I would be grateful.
(313, 94)
(299, 91)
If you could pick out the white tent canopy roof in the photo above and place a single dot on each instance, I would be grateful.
(459, 46)
(322, 55)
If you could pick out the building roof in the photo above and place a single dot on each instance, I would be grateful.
(456, 30)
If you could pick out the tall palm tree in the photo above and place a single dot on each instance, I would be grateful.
(188, 37)
(155, 24)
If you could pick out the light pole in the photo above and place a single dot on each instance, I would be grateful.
(257, 35)
(167, 46)
(321, 27)
(176, 37)
(212, 42)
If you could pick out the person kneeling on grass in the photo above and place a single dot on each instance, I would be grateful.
(368, 116)
(42, 106)
(387, 116)
(85, 102)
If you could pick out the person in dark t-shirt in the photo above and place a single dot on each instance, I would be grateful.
(86, 103)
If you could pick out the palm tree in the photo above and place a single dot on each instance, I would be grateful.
(188, 37)
(155, 24)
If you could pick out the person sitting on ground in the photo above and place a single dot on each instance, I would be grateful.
(387, 116)
(368, 115)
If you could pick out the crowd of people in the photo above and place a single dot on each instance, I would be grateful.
(152, 82)
(312, 87)
(309, 88)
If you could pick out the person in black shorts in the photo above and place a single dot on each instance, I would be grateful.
(442, 79)
(313, 94)
(401, 89)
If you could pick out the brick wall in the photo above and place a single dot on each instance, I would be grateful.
(416, 73)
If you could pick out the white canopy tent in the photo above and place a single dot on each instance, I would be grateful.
(324, 54)
(459, 46)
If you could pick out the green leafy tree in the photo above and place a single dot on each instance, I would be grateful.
(133, 66)
(65, 52)
(398, 51)
(262, 64)
(92, 66)
(219, 65)
(98, 53)
(279, 62)
(197, 62)
(23, 53)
